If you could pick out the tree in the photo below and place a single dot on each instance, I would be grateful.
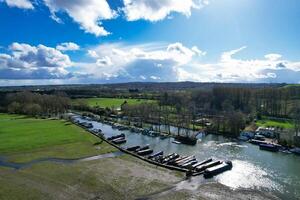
(236, 122)
(14, 108)
(296, 116)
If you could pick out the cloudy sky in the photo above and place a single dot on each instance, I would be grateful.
(108, 41)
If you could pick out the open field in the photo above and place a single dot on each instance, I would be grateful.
(110, 102)
(24, 139)
(291, 85)
(121, 178)
(112, 178)
(275, 123)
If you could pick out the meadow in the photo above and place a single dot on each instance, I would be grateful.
(265, 122)
(110, 102)
(24, 139)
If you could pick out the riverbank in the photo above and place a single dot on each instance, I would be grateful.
(210, 191)
(275, 173)
(123, 177)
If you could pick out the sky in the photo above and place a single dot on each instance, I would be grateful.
(112, 41)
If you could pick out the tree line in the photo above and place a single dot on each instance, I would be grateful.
(229, 108)
(34, 104)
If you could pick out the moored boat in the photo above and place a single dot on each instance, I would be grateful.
(160, 153)
(143, 148)
(295, 151)
(212, 171)
(171, 158)
(133, 148)
(186, 140)
(176, 142)
(116, 137)
(207, 165)
(257, 142)
(202, 163)
(119, 141)
(183, 160)
(269, 147)
(145, 152)
(189, 164)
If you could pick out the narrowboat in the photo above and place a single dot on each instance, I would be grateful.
(213, 171)
(269, 147)
(116, 136)
(145, 152)
(207, 165)
(119, 141)
(202, 163)
(186, 140)
(133, 148)
(160, 153)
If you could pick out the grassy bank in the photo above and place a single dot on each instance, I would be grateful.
(24, 139)
(112, 178)
(265, 122)
(109, 102)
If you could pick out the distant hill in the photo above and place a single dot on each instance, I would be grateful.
(142, 86)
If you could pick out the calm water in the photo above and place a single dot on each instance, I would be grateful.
(277, 173)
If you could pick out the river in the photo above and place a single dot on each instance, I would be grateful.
(276, 173)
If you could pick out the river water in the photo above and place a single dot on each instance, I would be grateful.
(277, 173)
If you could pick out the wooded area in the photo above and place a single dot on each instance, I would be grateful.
(229, 107)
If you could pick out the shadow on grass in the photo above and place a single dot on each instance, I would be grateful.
(98, 143)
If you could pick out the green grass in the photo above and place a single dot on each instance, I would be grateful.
(291, 85)
(274, 123)
(110, 102)
(23, 139)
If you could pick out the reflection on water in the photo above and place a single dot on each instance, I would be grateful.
(252, 168)
(247, 175)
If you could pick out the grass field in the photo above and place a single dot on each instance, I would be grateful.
(268, 123)
(23, 139)
(110, 102)
(291, 85)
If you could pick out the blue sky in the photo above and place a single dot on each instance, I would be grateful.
(99, 41)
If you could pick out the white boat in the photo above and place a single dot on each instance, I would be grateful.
(176, 142)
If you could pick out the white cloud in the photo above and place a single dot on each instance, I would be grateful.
(88, 13)
(23, 4)
(138, 61)
(119, 62)
(230, 69)
(155, 77)
(198, 51)
(105, 61)
(34, 62)
(227, 56)
(273, 56)
(93, 54)
(142, 77)
(68, 46)
(155, 10)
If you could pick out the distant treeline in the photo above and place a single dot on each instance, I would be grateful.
(230, 108)
(35, 104)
